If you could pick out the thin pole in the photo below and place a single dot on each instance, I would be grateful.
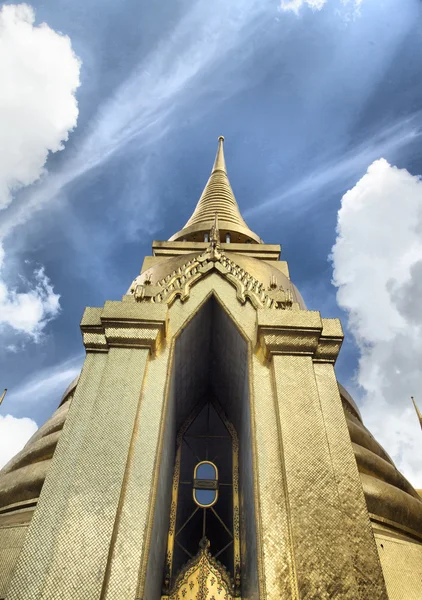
(2, 396)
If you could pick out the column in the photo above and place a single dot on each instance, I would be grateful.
(332, 543)
(66, 552)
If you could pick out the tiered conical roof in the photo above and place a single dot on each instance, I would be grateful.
(217, 198)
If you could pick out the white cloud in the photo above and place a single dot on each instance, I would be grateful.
(39, 75)
(377, 263)
(28, 312)
(296, 5)
(173, 75)
(14, 433)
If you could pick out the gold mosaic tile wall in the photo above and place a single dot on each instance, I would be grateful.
(98, 518)
(68, 541)
(334, 550)
(161, 508)
(133, 532)
(277, 573)
(11, 541)
(401, 561)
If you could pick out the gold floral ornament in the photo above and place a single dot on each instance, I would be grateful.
(203, 578)
(179, 283)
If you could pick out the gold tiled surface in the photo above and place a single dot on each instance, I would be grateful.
(66, 550)
(91, 316)
(99, 530)
(278, 567)
(401, 561)
(115, 310)
(137, 337)
(11, 541)
(40, 544)
(325, 542)
(137, 500)
(160, 509)
(300, 320)
(354, 521)
(332, 328)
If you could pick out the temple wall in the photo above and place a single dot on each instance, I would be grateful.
(401, 561)
(11, 542)
(69, 538)
(327, 539)
(161, 509)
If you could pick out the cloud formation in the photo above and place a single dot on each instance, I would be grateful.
(45, 386)
(14, 433)
(28, 312)
(296, 5)
(170, 77)
(40, 74)
(341, 167)
(377, 261)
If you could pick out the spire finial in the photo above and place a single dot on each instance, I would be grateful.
(217, 197)
(220, 163)
(417, 411)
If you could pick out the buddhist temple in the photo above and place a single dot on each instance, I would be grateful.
(207, 451)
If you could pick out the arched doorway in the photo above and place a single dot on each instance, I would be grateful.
(210, 368)
(204, 515)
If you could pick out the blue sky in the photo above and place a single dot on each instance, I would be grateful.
(306, 100)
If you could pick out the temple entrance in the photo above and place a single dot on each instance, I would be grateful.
(205, 503)
(206, 481)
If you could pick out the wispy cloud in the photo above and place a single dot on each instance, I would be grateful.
(295, 6)
(163, 82)
(39, 388)
(338, 171)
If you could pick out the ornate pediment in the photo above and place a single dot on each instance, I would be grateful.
(179, 283)
(202, 578)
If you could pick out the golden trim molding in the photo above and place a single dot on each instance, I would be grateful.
(124, 325)
(299, 332)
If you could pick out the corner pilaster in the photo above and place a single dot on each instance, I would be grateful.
(67, 550)
(124, 325)
(322, 490)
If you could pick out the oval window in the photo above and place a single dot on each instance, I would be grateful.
(205, 484)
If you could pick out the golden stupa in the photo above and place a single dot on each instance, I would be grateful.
(207, 451)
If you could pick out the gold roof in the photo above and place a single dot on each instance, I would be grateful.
(217, 198)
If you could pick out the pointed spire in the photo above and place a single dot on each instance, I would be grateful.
(217, 198)
(417, 411)
(220, 163)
